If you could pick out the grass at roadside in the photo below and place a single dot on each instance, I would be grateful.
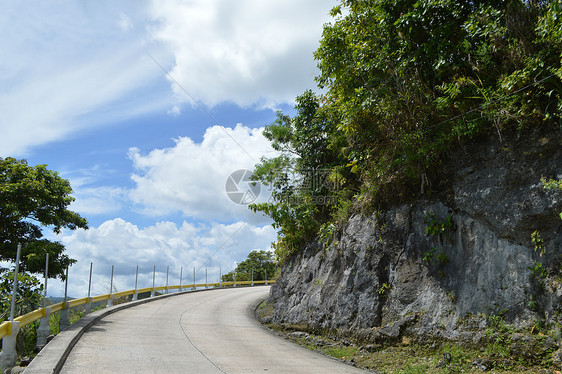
(411, 358)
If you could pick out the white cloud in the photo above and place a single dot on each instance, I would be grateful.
(165, 244)
(191, 177)
(124, 22)
(174, 111)
(247, 52)
(70, 67)
(98, 200)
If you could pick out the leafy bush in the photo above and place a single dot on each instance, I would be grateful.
(405, 81)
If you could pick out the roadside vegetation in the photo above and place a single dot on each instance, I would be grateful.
(259, 266)
(500, 349)
(403, 83)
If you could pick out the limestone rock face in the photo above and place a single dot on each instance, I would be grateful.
(424, 268)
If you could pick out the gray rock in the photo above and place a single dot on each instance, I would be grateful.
(482, 364)
(375, 274)
(299, 335)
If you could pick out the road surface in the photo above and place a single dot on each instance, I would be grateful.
(203, 332)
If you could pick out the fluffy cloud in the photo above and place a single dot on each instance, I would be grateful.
(246, 51)
(191, 177)
(69, 67)
(164, 244)
(81, 65)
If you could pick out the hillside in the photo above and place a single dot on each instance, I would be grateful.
(418, 199)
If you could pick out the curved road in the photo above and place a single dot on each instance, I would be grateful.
(202, 332)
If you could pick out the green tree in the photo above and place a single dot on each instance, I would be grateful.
(31, 197)
(411, 78)
(305, 177)
(28, 297)
(260, 262)
(405, 81)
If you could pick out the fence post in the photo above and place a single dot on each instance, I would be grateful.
(63, 321)
(266, 277)
(8, 356)
(88, 307)
(136, 295)
(220, 277)
(110, 301)
(252, 276)
(194, 284)
(206, 279)
(153, 293)
(167, 272)
(181, 275)
(15, 285)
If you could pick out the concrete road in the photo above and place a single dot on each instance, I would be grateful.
(204, 332)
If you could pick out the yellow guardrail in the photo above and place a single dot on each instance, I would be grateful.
(5, 328)
(97, 299)
(143, 290)
(56, 307)
(77, 302)
(30, 317)
(123, 293)
(26, 319)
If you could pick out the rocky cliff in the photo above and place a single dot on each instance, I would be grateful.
(433, 267)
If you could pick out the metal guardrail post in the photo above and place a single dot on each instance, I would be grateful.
(136, 295)
(15, 285)
(63, 321)
(88, 307)
(8, 356)
(252, 276)
(167, 273)
(206, 279)
(153, 292)
(181, 275)
(194, 282)
(110, 301)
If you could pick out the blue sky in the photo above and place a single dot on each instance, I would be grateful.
(97, 91)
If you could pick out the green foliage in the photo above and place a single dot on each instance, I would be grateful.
(497, 325)
(28, 296)
(302, 177)
(551, 184)
(31, 197)
(435, 226)
(384, 288)
(537, 241)
(261, 263)
(532, 304)
(411, 76)
(429, 254)
(538, 270)
(499, 332)
(442, 258)
(404, 82)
